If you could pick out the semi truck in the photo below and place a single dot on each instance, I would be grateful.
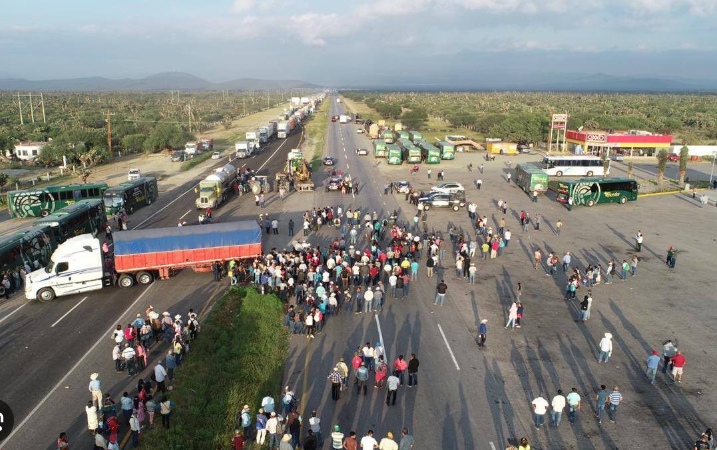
(244, 149)
(213, 190)
(191, 149)
(141, 256)
(282, 129)
(343, 118)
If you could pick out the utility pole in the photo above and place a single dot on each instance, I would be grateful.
(42, 102)
(243, 100)
(109, 131)
(32, 110)
(189, 115)
(268, 105)
(19, 105)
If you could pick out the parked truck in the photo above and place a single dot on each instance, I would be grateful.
(283, 129)
(214, 189)
(244, 149)
(141, 256)
(191, 149)
(343, 118)
(388, 136)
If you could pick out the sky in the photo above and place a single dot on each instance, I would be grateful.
(360, 42)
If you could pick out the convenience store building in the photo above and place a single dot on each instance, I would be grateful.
(625, 143)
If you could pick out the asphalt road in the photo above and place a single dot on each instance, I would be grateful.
(446, 410)
(48, 350)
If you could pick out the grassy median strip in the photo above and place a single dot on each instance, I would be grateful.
(196, 161)
(315, 135)
(238, 357)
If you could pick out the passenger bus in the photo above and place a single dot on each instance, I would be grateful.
(431, 153)
(575, 166)
(395, 154)
(388, 136)
(448, 150)
(412, 154)
(32, 246)
(130, 195)
(85, 216)
(41, 202)
(530, 177)
(379, 149)
(415, 136)
(594, 191)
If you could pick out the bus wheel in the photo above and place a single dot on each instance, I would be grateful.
(125, 281)
(591, 203)
(590, 173)
(455, 208)
(623, 200)
(44, 213)
(559, 173)
(46, 295)
(145, 278)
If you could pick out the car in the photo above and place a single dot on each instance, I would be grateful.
(673, 157)
(617, 158)
(178, 156)
(216, 155)
(333, 118)
(443, 200)
(359, 130)
(362, 151)
(134, 174)
(448, 188)
(334, 184)
(401, 186)
(329, 161)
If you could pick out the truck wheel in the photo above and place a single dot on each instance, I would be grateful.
(590, 173)
(45, 295)
(455, 208)
(125, 281)
(426, 207)
(145, 278)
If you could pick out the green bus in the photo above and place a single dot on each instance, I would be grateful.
(415, 136)
(84, 216)
(530, 177)
(448, 150)
(41, 202)
(130, 195)
(402, 134)
(411, 153)
(593, 191)
(431, 153)
(379, 149)
(395, 154)
(33, 247)
(388, 136)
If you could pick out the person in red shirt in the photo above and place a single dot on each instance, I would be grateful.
(400, 365)
(678, 363)
(238, 442)
(356, 363)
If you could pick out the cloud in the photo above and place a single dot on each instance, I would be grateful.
(89, 29)
(243, 6)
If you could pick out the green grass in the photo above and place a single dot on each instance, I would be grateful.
(196, 161)
(238, 357)
(315, 135)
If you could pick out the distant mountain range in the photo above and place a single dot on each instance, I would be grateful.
(158, 82)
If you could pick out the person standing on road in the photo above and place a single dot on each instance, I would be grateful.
(159, 375)
(601, 400)
(441, 293)
(584, 308)
(407, 441)
(275, 226)
(368, 442)
(343, 372)
(605, 347)
(392, 384)
(507, 177)
(535, 196)
(512, 315)
(573, 400)
(95, 388)
(362, 379)
(482, 332)
(400, 365)
(291, 227)
(135, 430)
(335, 378)
(337, 438)
(540, 407)
(91, 411)
(678, 363)
(638, 241)
(615, 398)
(315, 427)
(413, 364)
(652, 362)
(558, 404)
(566, 262)
(668, 351)
(388, 443)
(128, 355)
(558, 227)
(537, 258)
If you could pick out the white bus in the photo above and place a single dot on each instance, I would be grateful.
(574, 166)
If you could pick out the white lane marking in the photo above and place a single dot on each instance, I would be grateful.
(16, 310)
(243, 165)
(277, 149)
(352, 194)
(492, 446)
(344, 149)
(102, 339)
(448, 346)
(347, 166)
(164, 207)
(68, 312)
(346, 156)
(185, 214)
(380, 337)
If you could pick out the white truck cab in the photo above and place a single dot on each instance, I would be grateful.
(76, 266)
(134, 174)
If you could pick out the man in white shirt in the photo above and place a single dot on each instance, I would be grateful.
(506, 237)
(388, 443)
(160, 374)
(272, 428)
(368, 442)
(268, 404)
(558, 404)
(368, 300)
(540, 407)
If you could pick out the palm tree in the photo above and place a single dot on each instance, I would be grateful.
(684, 157)
(629, 169)
(661, 165)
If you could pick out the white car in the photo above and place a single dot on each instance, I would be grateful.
(361, 151)
(216, 155)
(448, 188)
(134, 174)
(359, 130)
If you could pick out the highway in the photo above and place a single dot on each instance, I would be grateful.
(49, 350)
(448, 409)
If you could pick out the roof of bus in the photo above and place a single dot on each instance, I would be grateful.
(66, 187)
(12, 239)
(130, 184)
(393, 147)
(444, 143)
(77, 207)
(530, 168)
(573, 157)
(597, 180)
